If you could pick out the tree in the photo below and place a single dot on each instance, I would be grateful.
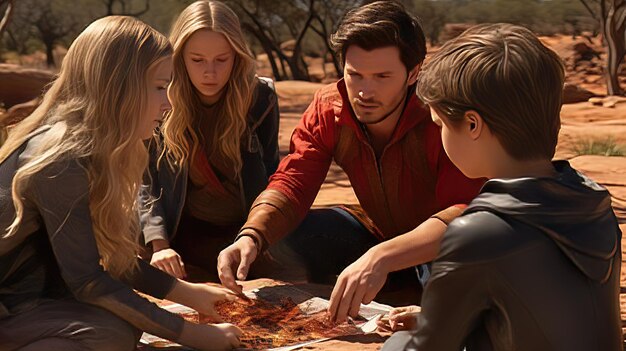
(272, 22)
(51, 30)
(432, 16)
(124, 6)
(327, 16)
(611, 14)
(50, 22)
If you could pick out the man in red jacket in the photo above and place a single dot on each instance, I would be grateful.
(376, 129)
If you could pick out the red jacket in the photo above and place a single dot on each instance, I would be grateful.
(412, 180)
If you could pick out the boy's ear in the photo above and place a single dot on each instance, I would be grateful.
(475, 124)
(412, 77)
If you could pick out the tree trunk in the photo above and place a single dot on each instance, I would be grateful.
(296, 62)
(323, 33)
(272, 60)
(263, 34)
(614, 59)
(613, 27)
(109, 5)
(267, 48)
(297, 70)
(282, 66)
(49, 54)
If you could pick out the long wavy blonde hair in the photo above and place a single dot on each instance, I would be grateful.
(94, 108)
(179, 137)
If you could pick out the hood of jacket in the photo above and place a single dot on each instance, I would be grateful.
(571, 209)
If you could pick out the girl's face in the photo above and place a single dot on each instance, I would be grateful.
(159, 78)
(209, 60)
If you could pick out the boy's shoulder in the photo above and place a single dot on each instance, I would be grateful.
(484, 235)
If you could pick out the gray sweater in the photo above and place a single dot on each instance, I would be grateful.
(54, 255)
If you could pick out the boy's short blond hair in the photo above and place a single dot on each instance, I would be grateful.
(509, 77)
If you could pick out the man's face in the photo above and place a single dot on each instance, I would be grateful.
(376, 81)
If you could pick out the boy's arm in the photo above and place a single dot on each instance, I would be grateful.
(362, 280)
(454, 191)
(450, 309)
(457, 292)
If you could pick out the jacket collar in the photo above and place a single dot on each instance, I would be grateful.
(414, 113)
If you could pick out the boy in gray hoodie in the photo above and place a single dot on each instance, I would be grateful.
(534, 261)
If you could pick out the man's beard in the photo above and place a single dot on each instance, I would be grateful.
(386, 115)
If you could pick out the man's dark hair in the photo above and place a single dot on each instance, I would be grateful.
(381, 24)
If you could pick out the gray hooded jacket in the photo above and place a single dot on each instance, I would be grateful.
(532, 264)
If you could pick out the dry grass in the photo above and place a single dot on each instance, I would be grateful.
(601, 147)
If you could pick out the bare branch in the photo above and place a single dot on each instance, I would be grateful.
(590, 10)
(306, 24)
(7, 15)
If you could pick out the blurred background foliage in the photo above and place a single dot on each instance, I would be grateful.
(286, 30)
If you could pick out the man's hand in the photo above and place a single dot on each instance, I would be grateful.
(359, 283)
(236, 258)
(167, 260)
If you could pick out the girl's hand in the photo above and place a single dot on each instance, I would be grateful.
(166, 259)
(169, 261)
(210, 337)
(200, 297)
(207, 296)
(401, 318)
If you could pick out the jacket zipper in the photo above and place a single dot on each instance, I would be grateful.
(377, 162)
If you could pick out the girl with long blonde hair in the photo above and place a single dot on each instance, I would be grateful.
(70, 176)
(218, 146)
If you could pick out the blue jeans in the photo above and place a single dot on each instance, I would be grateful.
(330, 239)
